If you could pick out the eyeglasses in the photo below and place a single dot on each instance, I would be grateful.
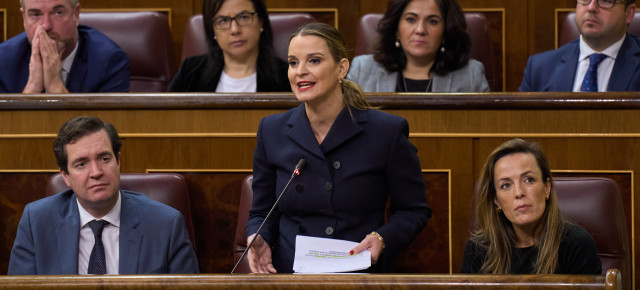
(604, 4)
(242, 19)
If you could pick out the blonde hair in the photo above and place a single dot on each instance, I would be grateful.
(351, 91)
(494, 232)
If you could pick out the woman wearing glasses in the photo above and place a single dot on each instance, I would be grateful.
(241, 57)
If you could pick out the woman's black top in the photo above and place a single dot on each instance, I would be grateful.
(577, 254)
(190, 77)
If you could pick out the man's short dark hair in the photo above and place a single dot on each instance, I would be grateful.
(78, 127)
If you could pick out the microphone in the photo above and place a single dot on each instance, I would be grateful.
(295, 173)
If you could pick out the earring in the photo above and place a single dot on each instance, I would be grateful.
(261, 29)
(214, 37)
(397, 43)
(340, 81)
(498, 210)
(546, 197)
(442, 49)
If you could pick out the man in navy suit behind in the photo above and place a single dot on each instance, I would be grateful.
(137, 235)
(605, 56)
(57, 55)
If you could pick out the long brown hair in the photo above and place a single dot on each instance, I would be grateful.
(351, 91)
(494, 232)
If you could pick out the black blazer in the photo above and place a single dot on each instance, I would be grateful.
(190, 77)
(342, 192)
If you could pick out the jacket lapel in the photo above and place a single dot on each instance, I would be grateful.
(627, 61)
(387, 82)
(566, 70)
(67, 235)
(301, 133)
(78, 73)
(442, 83)
(130, 238)
(344, 128)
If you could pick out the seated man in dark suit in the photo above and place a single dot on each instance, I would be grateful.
(94, 227)
(56, 55)
(605, 58)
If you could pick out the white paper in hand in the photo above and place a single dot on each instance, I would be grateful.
(320, 255)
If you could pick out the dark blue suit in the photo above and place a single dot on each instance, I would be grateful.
(100, 64)
(555, 70)
(345, 185)
(153, 237)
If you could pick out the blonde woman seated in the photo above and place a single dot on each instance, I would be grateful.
(519, 229)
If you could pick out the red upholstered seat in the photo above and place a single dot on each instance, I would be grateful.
(569, 29)
(481, 46)
(168, 188)
(240, 242)
(146, 38)
(282, 24)
(594, 203)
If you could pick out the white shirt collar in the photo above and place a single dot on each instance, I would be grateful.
(611, 51)
(68, 62)
(113, 216)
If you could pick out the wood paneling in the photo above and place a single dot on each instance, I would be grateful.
(18, 189)
(210, 138)
(347, 11)
(3, 25)
(541, 26)
(314, 282)
(414, 259)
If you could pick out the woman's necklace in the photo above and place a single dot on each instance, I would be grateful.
(406, 89)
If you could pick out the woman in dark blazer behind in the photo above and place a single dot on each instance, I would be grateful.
(356, 158)
(240, 50)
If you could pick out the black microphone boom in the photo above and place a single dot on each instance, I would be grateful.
(295, 173)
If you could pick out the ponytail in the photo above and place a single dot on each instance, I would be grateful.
(353, 95)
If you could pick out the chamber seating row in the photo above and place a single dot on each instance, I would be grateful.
(593, 203)
(146, 37)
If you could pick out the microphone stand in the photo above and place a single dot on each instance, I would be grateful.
(295, 173)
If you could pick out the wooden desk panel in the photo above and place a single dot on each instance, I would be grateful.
(311, 282)
(215, 133)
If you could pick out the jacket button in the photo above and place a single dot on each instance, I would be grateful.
(329, 231)
(328, 186)
(336, 165)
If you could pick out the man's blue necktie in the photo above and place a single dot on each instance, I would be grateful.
(97, 263)
(590, 82)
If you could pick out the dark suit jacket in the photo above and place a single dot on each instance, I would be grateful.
(555, 70)
(343, 189)
(100, 64)
(153, 237)
(192, 78)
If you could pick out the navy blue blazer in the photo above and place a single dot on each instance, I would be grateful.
(100, 65)
(341, 193)
(555, 70)
(153, 237)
